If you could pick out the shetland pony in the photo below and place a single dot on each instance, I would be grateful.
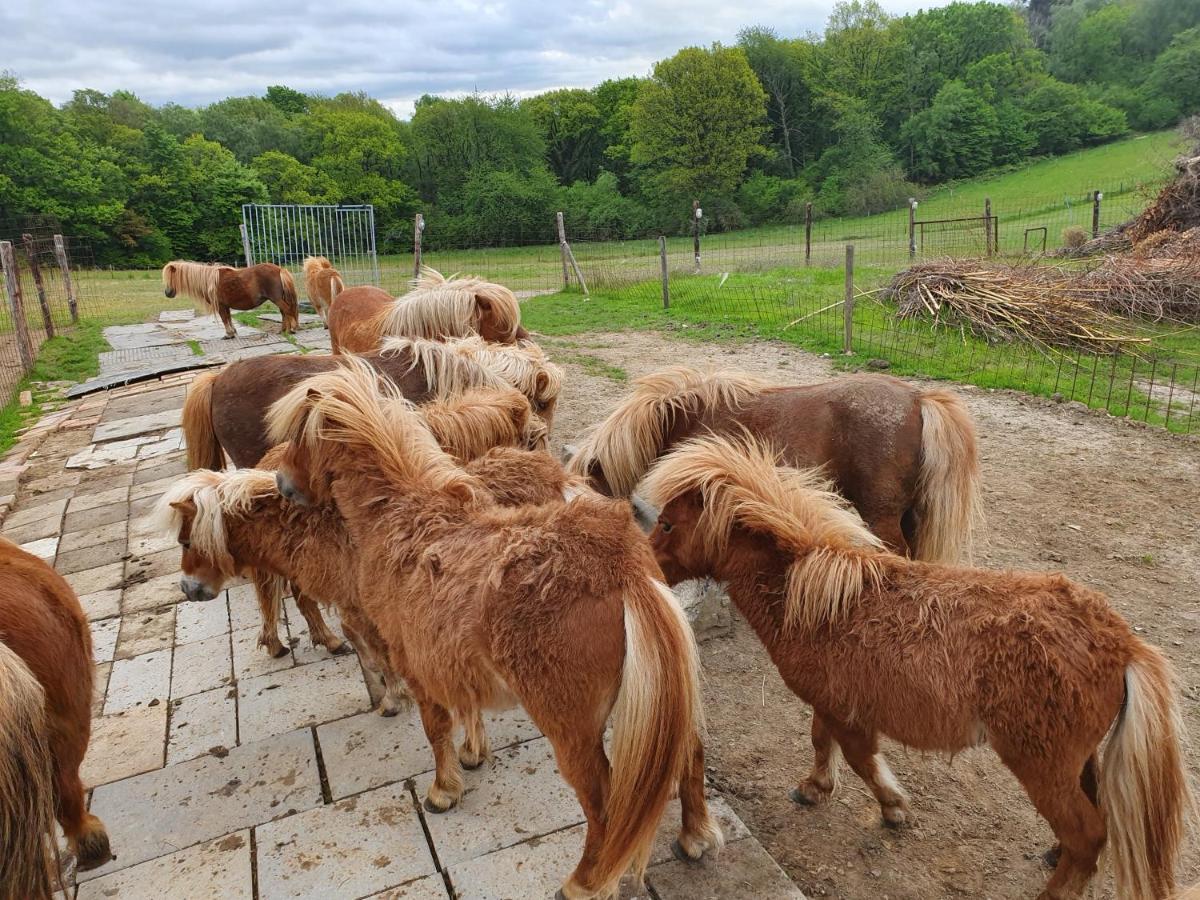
(42, 623)
(436, 307)
(905, 457)
(322, 282)
(939, 658)
(217, 289)
(225, 412)
(558, 607)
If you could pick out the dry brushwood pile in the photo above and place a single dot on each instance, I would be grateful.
(1153, 287)
(1044, 306)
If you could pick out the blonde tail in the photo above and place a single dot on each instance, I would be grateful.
(948, 504)
(1144, 791)
(28, 855)
(203, 449)
(290, 307)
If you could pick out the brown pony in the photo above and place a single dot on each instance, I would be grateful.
(905, 457)
(322, 282)
(42, 623)
(217, 289)
(558, 607)
(225, 412)
(435, 308)
(939, 658)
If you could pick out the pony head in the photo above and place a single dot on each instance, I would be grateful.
(168, 279)
(194, 510)
(469, 424)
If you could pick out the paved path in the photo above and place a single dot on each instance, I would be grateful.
(221, 772)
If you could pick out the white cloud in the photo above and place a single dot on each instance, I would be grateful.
(209, 49)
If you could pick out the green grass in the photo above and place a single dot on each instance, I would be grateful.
(569, 352)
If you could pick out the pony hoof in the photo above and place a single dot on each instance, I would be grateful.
(1050, 857)
(559, 895)
(93, 851)
(471, 767)
(280, 653)
(388, 711)
(800, 798)
(682, 855)
(430, 807)
(342, 649)
(895, 824)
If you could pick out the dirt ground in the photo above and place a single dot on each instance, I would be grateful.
(1113, 505)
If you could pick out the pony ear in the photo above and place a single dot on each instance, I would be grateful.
(186, 506)
(540, 381)
(483, 302)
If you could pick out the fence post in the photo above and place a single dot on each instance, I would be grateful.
(562, 246)
(807, 232)
(60, 251)
(848, 305)
(1097, 196)
(666, 283)
(696, 213)
(987, 225)
(12, 284)
(36, 271)
(418, 230)
(912, 227)
(246, 245)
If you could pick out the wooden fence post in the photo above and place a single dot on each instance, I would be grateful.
(12, 284)
(807, 232)
(696, 212)
(666, 282)
(418, 230)
(848, 305)
(987, 225)
(60, 252)
(562, 246)
(912, 227)
(1097, 196)
(246, 246)
(36, 271)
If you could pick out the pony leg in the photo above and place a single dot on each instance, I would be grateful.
(226, 320)
(85, 833)
(371, 647)
(823, 778)
(862, 753)
(699, 831)
(1089, 783)
(318, 631)
(475, 748)
(447, 785)
(585, 767)
(269, 604)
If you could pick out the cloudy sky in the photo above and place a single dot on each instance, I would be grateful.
(211, 49)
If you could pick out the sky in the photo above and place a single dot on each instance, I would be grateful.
(209, 49)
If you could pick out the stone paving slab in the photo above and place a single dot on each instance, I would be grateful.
(104, 639)
(124, 744)
(431, 887)
(145, 632)
(101, 578)
(135, 425)
(157, 813)
(101, 604)
(139, 681)
(300, 697)
(197, 620)
(101, 534)
(201, 666)
(152, 593)
(202, 722)
(44, 549)
(216, 870)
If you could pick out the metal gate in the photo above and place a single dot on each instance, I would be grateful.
(286, 233)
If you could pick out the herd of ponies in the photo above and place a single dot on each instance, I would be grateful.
(406, 482)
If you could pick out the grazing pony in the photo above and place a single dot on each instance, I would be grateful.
(42, 623)
(217, 289)
(558, 607)
(939, 658)
(322, 282)
(905, 457)
(225, 412)
(436, 308)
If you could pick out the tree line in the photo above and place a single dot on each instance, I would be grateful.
(853, 120)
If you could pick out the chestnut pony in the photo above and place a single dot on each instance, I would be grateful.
(322, 282)
(939, 658)
(42, 623)
(558, 607)
(905, 457)
(225, 412)
(436, 307)
(217, 289)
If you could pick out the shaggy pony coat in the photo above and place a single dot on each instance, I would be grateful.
(322, 283)
(216, 289)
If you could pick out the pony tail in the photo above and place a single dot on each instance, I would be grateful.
(28, 854)
(1144, 792)
(290, 306)
(657, 721)
(204, 451)
(948, 503)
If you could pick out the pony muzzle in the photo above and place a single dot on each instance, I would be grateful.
(196, 590)
(168, 292)
(289, 491)
(643, 513)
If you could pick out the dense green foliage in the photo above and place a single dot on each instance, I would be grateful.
(854, 121)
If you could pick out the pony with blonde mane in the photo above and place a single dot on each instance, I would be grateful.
(435, 308)
(558, 607)
(939, 658)
(905, 457)
(216, 289)
(322, 283)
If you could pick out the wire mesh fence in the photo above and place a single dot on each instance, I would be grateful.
(285, 234)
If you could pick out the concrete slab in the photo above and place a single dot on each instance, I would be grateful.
(202, 722)
(94, 518)
(243, 607)
(431, 887)
(299, 697)
(349, 849)
(101, 604)
(91, 500)
(139, 681)
(100, 672)
(537, 868)
(39, 513)
(101, 456)
(101, 534)
(145, 632)
(744, 869)
(149, 401)
(156, 564)
(155, 469)
(104, 639)
(250, 660)
(156, 813)
(195, 621)
(125, 744)
(152, 594)
(216, 870)
(137, 425)
(147, 373)
(34, 531)
(86, 558)
(101, 578)
(201, 666)
(45, 549)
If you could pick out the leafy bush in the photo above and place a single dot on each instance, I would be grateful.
(599, 211)
(768, 198)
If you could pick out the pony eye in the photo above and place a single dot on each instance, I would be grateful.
(665, 526)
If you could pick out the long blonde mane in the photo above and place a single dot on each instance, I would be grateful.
(366, 415)
(741, 483)
(470, 424)
(629, 440)
(438, 307)
(214, 495)
(195, 280)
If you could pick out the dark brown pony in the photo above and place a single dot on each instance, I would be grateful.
(217, 289)
(225, 412)
(437, 308)
(939, 658)
(905, 457)
(42, 623)
(558, 607)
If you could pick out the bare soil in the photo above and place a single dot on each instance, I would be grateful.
(1114, 505)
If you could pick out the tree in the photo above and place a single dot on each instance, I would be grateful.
(954, 138)
(862, 57)
(696, 123)
(249, 126)
(614, 101)
(288, 180)
(786, 71)
(1062, 117)
(569, 122)
(1175, 77)
(288, 101)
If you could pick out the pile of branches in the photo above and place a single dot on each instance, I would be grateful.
(1151, 287)
(1043, 306)
(1168, 244)
(1177, 206)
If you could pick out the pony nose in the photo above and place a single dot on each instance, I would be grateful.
(169, 292)
(194, 589)
(288, 491)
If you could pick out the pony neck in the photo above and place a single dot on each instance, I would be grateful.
(306, 545)
(755, 570)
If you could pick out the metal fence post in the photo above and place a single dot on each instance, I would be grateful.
(666, 283)
(912, 227)
(987, 225)
(562, 246)
(1097, 196)
(246, 246)
(807, 233)
(12, 284)
(418, 230)
(848, 305)
(696, 233)
(60, 252)
(36, 271)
